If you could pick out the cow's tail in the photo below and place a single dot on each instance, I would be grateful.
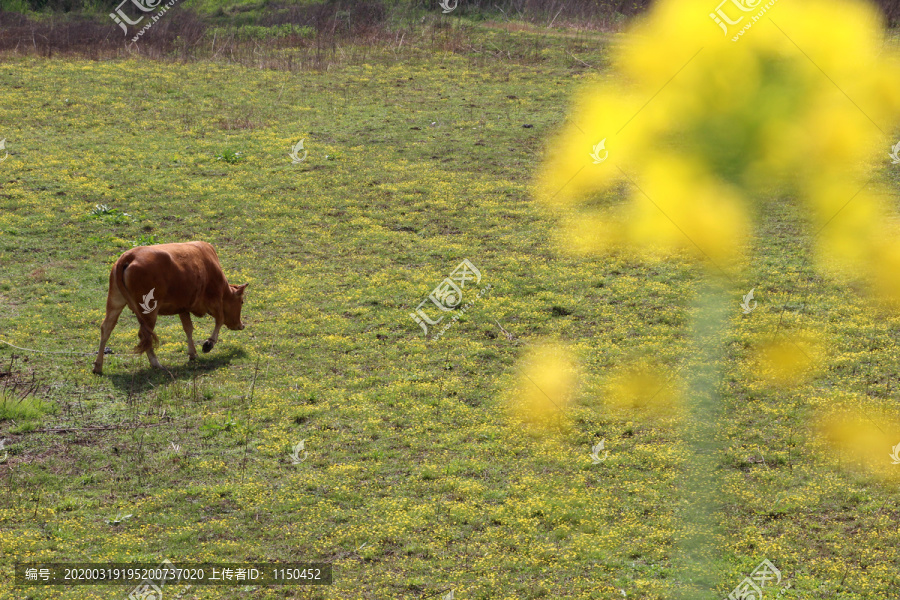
(147, 339)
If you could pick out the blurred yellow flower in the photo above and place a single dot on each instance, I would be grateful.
(641, 386)
(867, 443)
(589, 232)
(885, 264)
(702, 118)
(573, 170)
(546, 386)
(679, 206)
(789, 361)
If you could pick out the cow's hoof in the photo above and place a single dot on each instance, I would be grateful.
(192, 357)
(207, 346)
(98, 370)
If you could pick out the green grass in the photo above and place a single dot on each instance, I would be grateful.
(16, 408)
(418, 480)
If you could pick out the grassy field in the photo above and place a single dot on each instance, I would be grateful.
(419, 479)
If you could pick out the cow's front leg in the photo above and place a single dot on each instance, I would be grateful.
(208, 344)
(189, 330)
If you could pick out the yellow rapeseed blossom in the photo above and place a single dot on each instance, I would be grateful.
(707, 119)
(641, 386)
(680, 206)
(546, 386)
(863, 442)
(789, 361)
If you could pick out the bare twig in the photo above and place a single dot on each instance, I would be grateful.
(94, 428)
(579, 60)
(247, 426)
(554, 18)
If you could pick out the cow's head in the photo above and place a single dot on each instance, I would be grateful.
(231, 305)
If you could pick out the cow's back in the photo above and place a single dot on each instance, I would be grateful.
(183, 276)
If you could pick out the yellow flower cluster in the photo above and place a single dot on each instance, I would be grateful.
(862, 441)
(705, 129)
(789, 361)
(546, 386)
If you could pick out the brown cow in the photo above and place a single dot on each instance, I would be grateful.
(170, 279)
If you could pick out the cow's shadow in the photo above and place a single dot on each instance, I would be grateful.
(133, 379)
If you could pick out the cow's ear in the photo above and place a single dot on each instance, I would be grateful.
(239, 289)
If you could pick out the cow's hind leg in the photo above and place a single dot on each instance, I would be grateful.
(147, 338)
(154, 362)
(189, 330)
(114, 305)
(208, 344)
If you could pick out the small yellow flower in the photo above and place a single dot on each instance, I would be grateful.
(590, 232)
